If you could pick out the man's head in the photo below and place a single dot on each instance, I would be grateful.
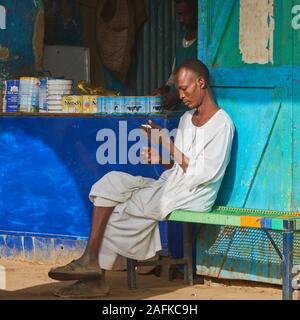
(187, 13)
(192, 82)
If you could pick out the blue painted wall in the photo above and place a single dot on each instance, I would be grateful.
(16, 41)
(48, 165)
(263, 101)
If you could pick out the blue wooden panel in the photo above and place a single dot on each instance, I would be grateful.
(48, 166)
(254, 113)
(263, 172)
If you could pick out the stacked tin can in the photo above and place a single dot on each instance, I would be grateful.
(56, 88)
(155, 104)
(143, 104)
(110, 105)
(11, 95)
(100, 104)
(43, 94)
(29, 94)
(133, 105)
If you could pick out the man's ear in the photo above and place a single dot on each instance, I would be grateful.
(201, 82)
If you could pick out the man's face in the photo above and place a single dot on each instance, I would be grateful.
(186, 15)
(190, 88)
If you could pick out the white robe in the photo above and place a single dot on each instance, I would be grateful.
(132, 230)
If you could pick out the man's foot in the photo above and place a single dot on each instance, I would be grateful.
(84, 289)
(75, 271)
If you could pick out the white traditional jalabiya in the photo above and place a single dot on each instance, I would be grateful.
(140, 203)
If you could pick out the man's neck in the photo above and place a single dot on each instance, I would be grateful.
(205, 111)
(208, 106)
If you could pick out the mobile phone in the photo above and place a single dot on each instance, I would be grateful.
(146, 126)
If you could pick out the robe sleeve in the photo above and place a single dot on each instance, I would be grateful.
(178, 139)
(210, 163)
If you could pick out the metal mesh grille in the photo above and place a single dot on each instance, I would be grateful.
(243, 248)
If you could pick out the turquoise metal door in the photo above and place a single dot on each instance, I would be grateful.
(248, 46)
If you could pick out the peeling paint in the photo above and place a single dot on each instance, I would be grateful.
(39, 249)
(256, 39)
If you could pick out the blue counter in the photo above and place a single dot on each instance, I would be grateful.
(47, 166)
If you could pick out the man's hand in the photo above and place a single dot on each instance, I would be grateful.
(155, 134)
(149, 127)
(150, 155)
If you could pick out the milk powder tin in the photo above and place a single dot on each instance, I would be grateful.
(28, 103)
(29, 86)
(130, 104)
(29, 100)
(142, 105)
(11, 108)
(155, 104)
(11, 95)
(29, 94)
(60, 82)
(89, 104)
(43, 95)
(7, 107)
(11, 87)
(72, 104)
(118, 104)
(28, 108)
(109, 104)
(101, 104)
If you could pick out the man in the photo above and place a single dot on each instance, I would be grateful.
(186, 49)
(127, 208)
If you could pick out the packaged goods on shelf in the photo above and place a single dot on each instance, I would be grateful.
(89, 104)
(71, 104)
(11, 95)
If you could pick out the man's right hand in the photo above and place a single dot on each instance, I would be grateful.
(150, 155)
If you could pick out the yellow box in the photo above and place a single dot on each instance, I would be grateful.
(250, 221)
(71, 104)
(89, 104)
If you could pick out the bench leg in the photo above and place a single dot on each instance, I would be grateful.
(287, 290)
(131, 274)
(188, 253)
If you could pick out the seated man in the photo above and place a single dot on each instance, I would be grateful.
(127, 208)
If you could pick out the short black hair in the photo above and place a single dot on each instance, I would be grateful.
(198, 67)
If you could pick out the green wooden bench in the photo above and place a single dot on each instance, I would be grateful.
(267, 220)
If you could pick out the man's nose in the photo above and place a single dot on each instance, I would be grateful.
(181, 95)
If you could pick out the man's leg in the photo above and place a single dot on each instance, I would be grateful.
(87, 266)
(99, 221)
